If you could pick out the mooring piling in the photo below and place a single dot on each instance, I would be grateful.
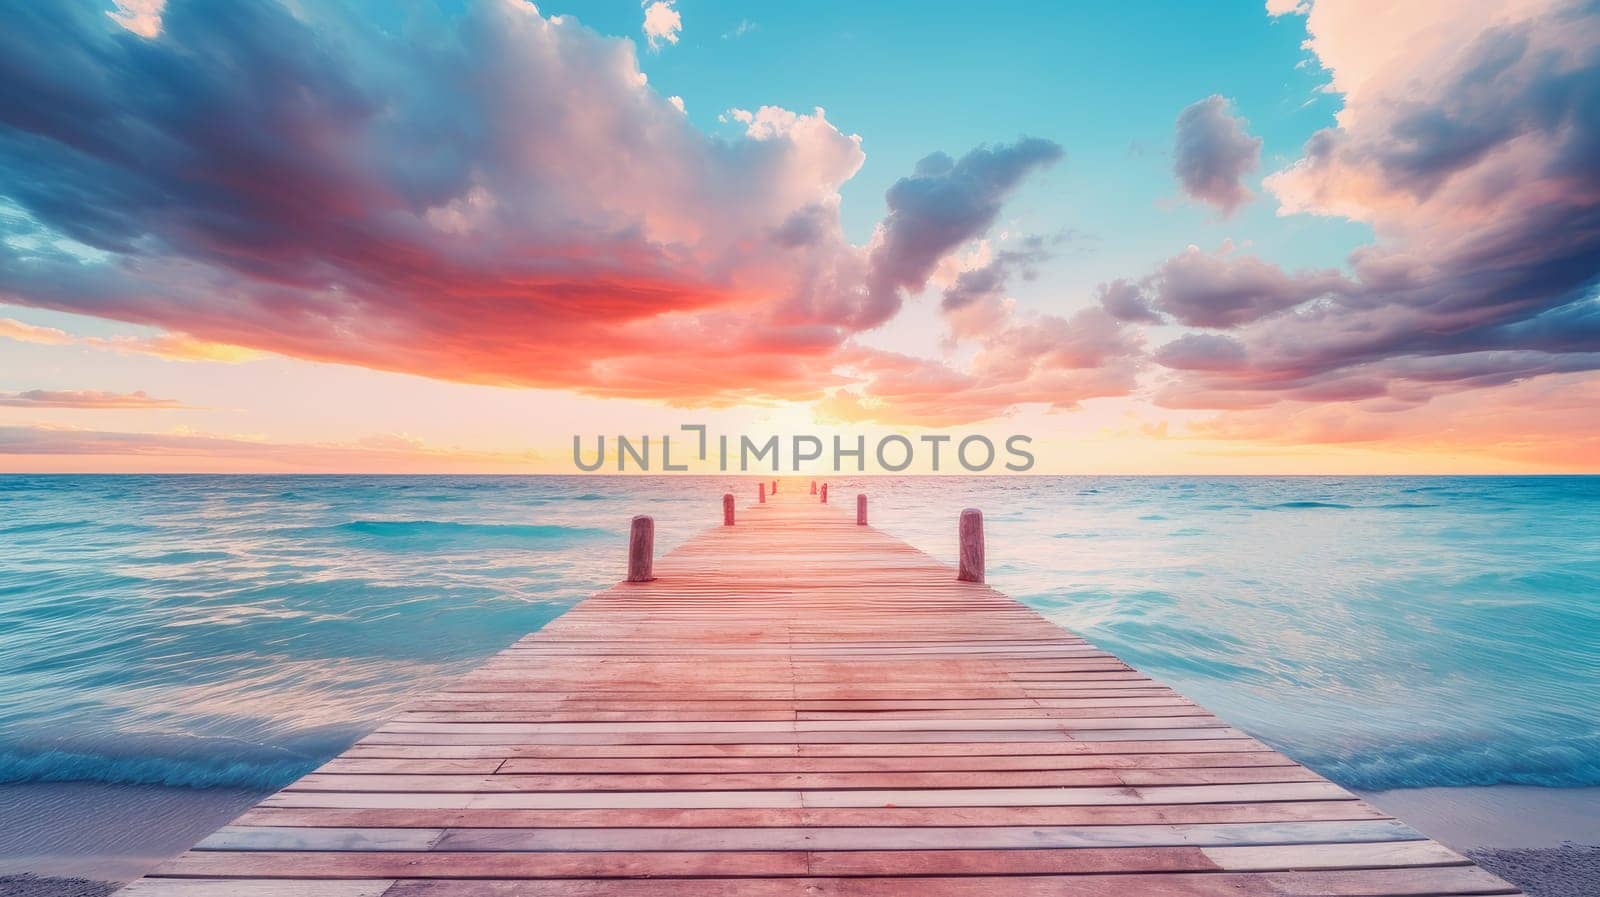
(727, 509)
(642, 549)
(971, 567)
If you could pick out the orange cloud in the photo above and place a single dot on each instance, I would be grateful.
(171, 345)
(10, 328)
(177, 347)
(1548, 422)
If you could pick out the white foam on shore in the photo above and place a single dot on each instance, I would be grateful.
(1497, 816)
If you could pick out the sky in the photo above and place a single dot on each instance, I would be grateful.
(1322, 237)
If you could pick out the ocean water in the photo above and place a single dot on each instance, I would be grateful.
(236, 631)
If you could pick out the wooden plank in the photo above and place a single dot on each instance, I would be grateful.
(1431, 882)
(809, 781)
(237, 887)
(971, 817)
(801, 706)
(444, 864)
(815, 838)
(950, 797)
(953, 762)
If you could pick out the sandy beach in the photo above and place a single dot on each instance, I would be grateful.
(1544, 840)
(85, 840)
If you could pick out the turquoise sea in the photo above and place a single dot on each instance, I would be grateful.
(207, 631)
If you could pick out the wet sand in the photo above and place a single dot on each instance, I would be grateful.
(84, 840)
(1504, 816)
(1570, 871)
(1543, 840)
(104, 832)
(34, 886)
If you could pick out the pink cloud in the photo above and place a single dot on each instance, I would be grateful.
(1212, 153)
(1545, 422)
(1467, 142)
(1018, 357)
(65, 448)
(84, 398)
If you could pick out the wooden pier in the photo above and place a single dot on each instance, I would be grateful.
(800, 705)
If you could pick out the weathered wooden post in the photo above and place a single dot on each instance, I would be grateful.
(774, 487)
(813, 487)
(642, 549)
(824, 493)
(727, 509)
(761, 493)
(861, 509)
(971, 568)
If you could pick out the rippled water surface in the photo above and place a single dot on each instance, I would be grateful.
(1390, 632)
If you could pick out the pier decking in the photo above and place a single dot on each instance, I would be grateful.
(798, 705)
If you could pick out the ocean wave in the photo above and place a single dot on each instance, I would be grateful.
(183, 772)
(46, 527)
(186, 557)
(54, 526)
(1306, 504)
(407, 533)
(1571, 763)
(1405, 505)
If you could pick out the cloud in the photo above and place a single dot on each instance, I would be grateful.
(12, 329)
(142, 17)
(1545, 422)
(662, 23)
(70, 448)
(1018, 357)
(744, 27)
(1212, 152)
(1469, 143)
(171, 346)
(84, 398)
(485, 195)
(176, 347)
(1021, 359)
(1204, 289)
(990, 279)
(1126, 301)
(1202, 352)
(943, 204)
